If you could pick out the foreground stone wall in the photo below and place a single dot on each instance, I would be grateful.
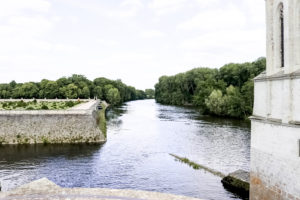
(275, 161)
(53, 126)
(45, 189)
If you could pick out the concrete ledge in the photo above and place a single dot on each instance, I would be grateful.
(45, 189)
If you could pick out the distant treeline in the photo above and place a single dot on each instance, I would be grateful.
(227, 91)
(77, 86)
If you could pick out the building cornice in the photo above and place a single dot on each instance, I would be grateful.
(274, 121)
(278, 76)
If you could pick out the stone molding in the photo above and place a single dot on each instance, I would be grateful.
(279, 76)
(275, 121)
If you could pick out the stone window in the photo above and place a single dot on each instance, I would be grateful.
(281, 23)
(279, 36)
(297, 35)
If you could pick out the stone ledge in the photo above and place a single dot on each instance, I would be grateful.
(279, 76)
(238, 182)
(45, 189)
(275, 121)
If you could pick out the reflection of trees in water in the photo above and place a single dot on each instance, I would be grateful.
(15, 153)
(178, 113)
(224, 121)
(113, 115)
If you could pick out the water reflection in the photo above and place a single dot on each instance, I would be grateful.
(16, 153)
(141, 134)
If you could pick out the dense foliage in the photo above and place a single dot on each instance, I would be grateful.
(150, 93)
(37, 105)
(227, 91)
(76, 86)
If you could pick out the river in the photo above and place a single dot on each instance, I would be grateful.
(141, 135)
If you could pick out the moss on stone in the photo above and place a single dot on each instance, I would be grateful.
(102, 119)
(197, 166)
(236, 185)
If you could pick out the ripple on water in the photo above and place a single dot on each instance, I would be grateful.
(141, 134)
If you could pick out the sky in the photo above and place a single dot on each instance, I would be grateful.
(136, 41)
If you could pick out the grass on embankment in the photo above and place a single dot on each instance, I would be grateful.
(197, 166)
(37, 105)
(102, 118)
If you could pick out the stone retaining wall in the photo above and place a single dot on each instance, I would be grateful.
(51, 126)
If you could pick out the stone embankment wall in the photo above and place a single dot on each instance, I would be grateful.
(76, 125)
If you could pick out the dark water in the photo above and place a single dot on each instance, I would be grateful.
(141, 134)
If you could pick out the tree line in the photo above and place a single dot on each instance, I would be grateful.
(76, 86)
(228, 91)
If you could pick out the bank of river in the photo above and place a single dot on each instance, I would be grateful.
(140, 137)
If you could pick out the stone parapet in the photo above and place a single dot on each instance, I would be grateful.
(45, 189)
(51, 126)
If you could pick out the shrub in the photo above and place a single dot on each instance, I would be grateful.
(21, 104)
(30, 108)
(69, 103)
(44, 107)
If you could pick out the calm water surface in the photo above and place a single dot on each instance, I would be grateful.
(141, 134)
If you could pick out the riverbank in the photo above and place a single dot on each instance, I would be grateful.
(79, 124)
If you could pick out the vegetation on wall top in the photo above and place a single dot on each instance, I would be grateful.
(77, 86)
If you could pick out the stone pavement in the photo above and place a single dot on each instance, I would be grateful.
(84, 106)
(45, 189)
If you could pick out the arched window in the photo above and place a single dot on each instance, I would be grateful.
(297, 39)
(279, 36)
(281, 21)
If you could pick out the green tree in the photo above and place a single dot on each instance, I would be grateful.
(113, 96)
(86, 92)
(150, 93)
(235, 106)
(216, 103)
(98, 92)
(70, 91)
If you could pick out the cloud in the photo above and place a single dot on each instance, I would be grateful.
(13, 7)
(215, 19)
(162, 7)
(152, 34)
(35, 25)
(47, 39)
(127, 9)
(106, 42)
(226, 46)
(132, 3)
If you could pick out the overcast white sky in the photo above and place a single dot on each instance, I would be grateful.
(136, 41)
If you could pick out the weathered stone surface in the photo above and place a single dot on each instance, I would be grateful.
(275, 134)
(45, 189)
(77, 125)
(238, 182)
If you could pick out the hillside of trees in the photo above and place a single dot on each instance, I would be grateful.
(227, 91)
(77, 86)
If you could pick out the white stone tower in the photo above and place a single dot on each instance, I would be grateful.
(275, 142)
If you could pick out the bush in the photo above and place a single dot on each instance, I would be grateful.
(44, 107)
(69, 103)
(30, 108)
(21, 104)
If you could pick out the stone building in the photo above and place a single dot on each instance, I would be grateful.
(275, 142)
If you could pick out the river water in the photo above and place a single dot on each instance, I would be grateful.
(141, 135)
